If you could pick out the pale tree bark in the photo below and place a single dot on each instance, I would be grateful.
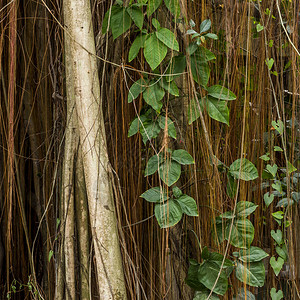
(81, 72)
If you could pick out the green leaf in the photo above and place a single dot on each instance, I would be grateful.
(231, 186)
(278, 126)
(208, 274)
(182, 157)
(200, 71)
(259, 27)
(134, 127)
(291, 168)
(278, 187)
(220, 92)
(170, 86)
(154, 51)
(176, 191)
(205, 25)
(282, 252)
(120, 21)
(136, 15)
(168, 214)
(173, 6)
(176, 66)
(155, 195)
(277, 148)
(217, 109)
(242, 233)
(265, 157)
(276, 264)
(269, 63)
(152, 6)
(245, 208)
(193, 110)
(192, 276)
(188, 205)
(202, 295)
(50, 255)
(137, 44)
(149, 130)
(272, 169)
(153, 96)
(277, 236)
(138, 87)
(155, 23)
(168, 38)
(248, 170)
(285, 202)
(252, 254)
(276, 295)
(169, 172)
(152, 165)
(243, 296)
(268, 198)
(170, 126)
(252, 274)
(212, 36)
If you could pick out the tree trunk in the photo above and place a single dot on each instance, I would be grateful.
(81, 73)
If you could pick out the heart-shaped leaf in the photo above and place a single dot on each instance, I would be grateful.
(245, 208)
(182, 157)
(276, 264)
(188, 205)
(278, 126)
(268, 198)
(169, 172)
(272, 169)
(152, 165)
(282, 252)
(252, 254)
(277, 236)
(276, 295)
(153, 95)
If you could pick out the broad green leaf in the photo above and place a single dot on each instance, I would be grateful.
(276, 295)
(245, 208)
(252, 274)
(50, 255)
(231, 186)
(218, 230)
(242, 233)
(153, 96)
(220, 92)
(276, 264)
(285, 202)
(149, 130)
(227, 215)
(138, 87)
(208, 274)
(272, 169)
(202, 295)
(188, 205)
(152, 165)
(192, 276)
(114, 9)
(268, 198)
(176, 66)
(200, 71)
(169, 172)
(193, 110)
(154, 51)
(155, 194)
(170, 125)
(278, 187)
(278, 215)
(170, 87)
(277, 148)
(217, 110)
(277, 236)
(278, 126)
(137, 44)
(182, 157)
(269, 63)
(291, 168)
(252, 254)
(205, 25)
(265, 157)
(259, 27)
(168, 214)
(120, 22)
(135, 126)
(173, 6)
(168, 38)
(152, 6)
(244, 170)
(282, 252)
(176, 191)
(136, 15)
